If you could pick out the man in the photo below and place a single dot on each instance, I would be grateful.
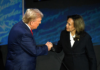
(22, 49)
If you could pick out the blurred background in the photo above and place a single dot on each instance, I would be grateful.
(54, 21)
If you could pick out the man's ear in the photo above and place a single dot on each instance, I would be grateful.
(31, 22)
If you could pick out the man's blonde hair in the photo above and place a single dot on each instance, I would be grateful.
(31, 14)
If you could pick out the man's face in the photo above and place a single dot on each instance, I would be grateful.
(36, 23)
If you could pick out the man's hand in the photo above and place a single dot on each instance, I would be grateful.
(49, 45)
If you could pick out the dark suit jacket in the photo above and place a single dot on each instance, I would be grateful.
(1, 60)
(81, 56)
(22, 49)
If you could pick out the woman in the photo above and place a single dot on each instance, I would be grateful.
(76, 45)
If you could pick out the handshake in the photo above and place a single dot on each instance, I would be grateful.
(49, 45)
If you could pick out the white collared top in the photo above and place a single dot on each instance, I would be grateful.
(28, 26)
(72, 39)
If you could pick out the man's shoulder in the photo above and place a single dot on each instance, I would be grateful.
(18, 27)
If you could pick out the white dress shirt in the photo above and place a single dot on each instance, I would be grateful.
(72, 39)
(28, 26)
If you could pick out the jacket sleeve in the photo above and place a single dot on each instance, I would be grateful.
(57, 48)
(28, 44)
(91, 54)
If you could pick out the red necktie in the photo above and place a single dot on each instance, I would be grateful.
(31, 32)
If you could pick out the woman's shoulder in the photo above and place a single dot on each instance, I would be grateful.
(85, 34)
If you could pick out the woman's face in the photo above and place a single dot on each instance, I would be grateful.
(70, 25)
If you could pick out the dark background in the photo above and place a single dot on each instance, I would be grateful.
(54, 21)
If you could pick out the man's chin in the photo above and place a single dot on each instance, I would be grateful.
(35, 28)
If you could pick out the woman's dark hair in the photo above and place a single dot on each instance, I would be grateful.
(78, 24)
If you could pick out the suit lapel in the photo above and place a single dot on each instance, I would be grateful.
(26, 28)
(77, 42)
(68, 40)
(68, 43)
(24, 25)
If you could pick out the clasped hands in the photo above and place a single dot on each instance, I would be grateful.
(49, 45)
